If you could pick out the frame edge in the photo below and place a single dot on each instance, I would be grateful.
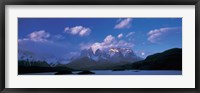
(2, 43)
(197, 39)
(2, 56)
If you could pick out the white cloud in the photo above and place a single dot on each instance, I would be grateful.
(85, 32)
(108, 42)
(78, 30)
(130, 34)
(96, 46)
(37, 36)
(126, 23)
(109, 39)
(24, 39)
(120, 35)
(66, 29)
(156, 34)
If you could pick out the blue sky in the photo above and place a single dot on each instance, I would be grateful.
(66, 37)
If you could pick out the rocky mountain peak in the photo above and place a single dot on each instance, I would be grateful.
(112, 55)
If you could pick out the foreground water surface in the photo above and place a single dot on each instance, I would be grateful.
(126, 72)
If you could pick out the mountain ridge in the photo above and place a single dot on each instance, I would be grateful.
(103, 59)
(111, 55)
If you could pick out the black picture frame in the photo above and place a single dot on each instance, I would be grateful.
(98, 2)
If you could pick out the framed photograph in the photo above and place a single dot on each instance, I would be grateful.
(91, 46)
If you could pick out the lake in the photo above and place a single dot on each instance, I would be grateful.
(125, 72)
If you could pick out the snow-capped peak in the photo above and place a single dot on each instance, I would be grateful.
(112, 54)
(113, 50)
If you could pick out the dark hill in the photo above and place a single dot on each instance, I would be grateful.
(168, 60)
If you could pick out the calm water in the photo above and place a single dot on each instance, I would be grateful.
(126, 72)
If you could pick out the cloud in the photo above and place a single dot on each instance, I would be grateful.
(108, 42)
(156, 34)
(24, 39)
(37, 36)
(78, 30)
(120, 35)
(85, 45)
(66, 29)
(109, 39)
(59, 36)
(130, 34)
(126, 23)
(96, 46)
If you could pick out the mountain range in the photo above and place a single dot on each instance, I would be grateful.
(103, 59)
(110, 55)
(118, 58)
